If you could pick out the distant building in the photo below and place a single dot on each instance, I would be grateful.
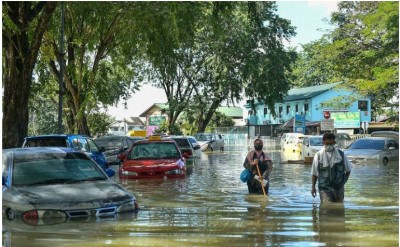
(236, 113)
(122, 127)
(155, 115)
(308, 103)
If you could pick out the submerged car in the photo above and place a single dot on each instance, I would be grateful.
(154, 158)
(376, 149)
(196, 146)
(210, 141)
(79, 142)
(185, 146)
(49, 184)
(114, 146)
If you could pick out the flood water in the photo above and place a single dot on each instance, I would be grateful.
(212, 207)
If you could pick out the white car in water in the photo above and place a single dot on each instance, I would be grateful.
(210, 141)
(380, 150)
(311, 145)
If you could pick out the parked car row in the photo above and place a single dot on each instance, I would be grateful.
(381, 147)
(55, 178)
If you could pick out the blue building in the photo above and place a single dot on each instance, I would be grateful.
(330, 101)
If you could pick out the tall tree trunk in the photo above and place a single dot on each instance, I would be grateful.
(20, 59)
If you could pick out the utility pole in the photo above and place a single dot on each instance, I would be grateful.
(61, 76)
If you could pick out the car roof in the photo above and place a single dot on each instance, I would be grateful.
(61, 136)
(154, 141)
(38, 150)
(376, 138)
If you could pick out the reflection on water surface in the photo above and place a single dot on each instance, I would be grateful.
(212, 207)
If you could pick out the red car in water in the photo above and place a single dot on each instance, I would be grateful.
(153, 158)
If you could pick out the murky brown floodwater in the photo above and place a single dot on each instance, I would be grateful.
(211, 207)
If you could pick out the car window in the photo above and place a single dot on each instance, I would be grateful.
(91, 146)
(5, 158)
(182, 142)
(53, 169)
(46, 142)
(155, 150)
(368, 144)
(392, 144)
(129, 142)
(316, 141)
(109, 142)
(203, 137)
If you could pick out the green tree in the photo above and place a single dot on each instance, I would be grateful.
(219, 120)
(314, 65)
(24, 24)
(99, 58)
(99, 123)
(233, 47)
(365, 46)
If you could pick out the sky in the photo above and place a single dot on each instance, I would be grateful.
(309, 18)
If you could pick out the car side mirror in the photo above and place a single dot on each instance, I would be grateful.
(196, 147)
(102, 149)
(110, 172)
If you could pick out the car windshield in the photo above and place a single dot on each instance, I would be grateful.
(342, 137)
(45, 169)
(203, 137)
(368, 144)
(155, 150)
(46, 142)
(316, 141)
(109, 142)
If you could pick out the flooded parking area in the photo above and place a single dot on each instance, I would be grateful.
(212, 207)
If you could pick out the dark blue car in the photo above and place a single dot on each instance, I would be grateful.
(79, 142)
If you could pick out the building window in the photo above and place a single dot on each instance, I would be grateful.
(280, 111)
(265, 111)
(306, 107)
(287, 109)
(297, 108)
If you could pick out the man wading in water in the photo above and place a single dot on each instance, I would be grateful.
(254, 158)
(332, 169)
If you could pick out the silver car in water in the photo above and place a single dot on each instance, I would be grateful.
(376, 149)
(43, 185)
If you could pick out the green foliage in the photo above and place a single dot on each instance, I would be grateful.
(219, 120)
(314, 65)
(366, 44)
(164, 128)
(99, 123)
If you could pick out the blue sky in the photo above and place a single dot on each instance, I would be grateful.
(306, 16)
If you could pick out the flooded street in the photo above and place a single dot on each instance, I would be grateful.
(212, 207)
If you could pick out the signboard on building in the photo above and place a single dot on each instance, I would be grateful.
(346, 120)
(327, 124)
(156, 120)
(299, 124)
